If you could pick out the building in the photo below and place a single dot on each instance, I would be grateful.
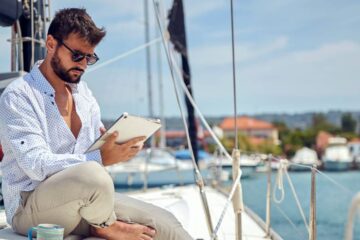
(256, 130)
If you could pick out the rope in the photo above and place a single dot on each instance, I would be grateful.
(123, 55)
(262, 156)
(345, 189)
(198, 176)
(221, 218)
(233, 73)
(279, 183)
(301, 234)
(296, 199)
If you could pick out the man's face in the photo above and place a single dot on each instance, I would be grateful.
(63, 65)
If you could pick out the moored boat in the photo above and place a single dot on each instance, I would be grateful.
(337, 155)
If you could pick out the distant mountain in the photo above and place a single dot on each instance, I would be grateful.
(304, 120)
(298, 120)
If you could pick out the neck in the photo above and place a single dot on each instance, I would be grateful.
(58, 84)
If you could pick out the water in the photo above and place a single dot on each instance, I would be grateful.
(333, 203)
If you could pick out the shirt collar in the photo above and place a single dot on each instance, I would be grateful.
(39, 79)
(44, 84)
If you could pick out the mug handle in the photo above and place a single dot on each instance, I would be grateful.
(30, 232)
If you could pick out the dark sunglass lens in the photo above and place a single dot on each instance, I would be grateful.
(77, 57)
(92, 60)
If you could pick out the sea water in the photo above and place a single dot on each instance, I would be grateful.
(332, 203)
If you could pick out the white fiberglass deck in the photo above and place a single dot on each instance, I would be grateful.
(185, 204)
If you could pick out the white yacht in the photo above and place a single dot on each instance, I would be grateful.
(154, 167)
(304, 156)
(337, 155)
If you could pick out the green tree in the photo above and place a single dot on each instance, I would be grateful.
(348, 123)
(319, 122)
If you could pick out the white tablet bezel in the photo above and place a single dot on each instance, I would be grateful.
(128, 127)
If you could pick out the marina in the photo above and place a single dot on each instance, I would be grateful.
(239, 177)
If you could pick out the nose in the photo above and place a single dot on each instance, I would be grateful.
(83, 64)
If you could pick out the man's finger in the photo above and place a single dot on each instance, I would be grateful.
(111, 138)
(102, 130)
(134, 141)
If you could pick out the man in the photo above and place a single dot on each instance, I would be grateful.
(48, 118)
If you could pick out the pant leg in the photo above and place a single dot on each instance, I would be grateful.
(84, 191)
(166, 225)
(131, 210)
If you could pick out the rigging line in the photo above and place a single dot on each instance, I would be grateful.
(219, 144)
(345, 189)
(216, 140)
(297, 200)
(171, 65)
(290, 221)
(198, 176)
(170, 60)
(279, 184)
(123, 55)
(234, 74)
(201, 116)
(221, 218)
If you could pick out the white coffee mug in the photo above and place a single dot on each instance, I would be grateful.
(47, 232)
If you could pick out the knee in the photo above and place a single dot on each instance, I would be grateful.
(94, 176)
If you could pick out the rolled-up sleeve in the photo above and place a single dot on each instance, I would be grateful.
(21, 133)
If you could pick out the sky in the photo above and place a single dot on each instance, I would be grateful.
(291, 56)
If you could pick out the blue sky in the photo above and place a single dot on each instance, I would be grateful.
(292, 56)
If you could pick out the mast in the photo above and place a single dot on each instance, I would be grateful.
(238, 197)
(148, 59)
(162, 143)
(177, 32)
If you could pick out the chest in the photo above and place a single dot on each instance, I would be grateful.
(67, 110)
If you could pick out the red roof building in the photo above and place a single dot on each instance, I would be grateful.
(257, 130)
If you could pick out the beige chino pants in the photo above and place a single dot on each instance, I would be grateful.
(83, 195)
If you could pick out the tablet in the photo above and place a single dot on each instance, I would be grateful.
(128, 127)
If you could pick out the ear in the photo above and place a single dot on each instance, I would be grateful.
(51, 44)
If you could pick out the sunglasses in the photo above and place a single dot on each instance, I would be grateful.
(78, 56)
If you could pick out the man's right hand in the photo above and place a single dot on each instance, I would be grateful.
(112, 152)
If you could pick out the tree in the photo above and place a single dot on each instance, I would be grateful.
(319, 122)
(348, 123)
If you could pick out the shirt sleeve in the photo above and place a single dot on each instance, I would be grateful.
(21, 132)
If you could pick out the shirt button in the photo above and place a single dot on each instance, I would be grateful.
(22, 142)
(52, 103)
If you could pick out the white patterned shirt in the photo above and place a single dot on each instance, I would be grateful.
(35, 138)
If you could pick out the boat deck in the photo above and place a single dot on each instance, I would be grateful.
(186, 205)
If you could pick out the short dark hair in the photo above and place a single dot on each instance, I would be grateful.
(75, 20)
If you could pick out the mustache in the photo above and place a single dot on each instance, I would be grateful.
(76, 68)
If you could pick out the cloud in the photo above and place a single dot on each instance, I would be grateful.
(321, 78)
(220, 54)
(331, 69)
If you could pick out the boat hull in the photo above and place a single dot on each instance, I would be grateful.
(336, 166)
(296, 168)
(154, 179)
(246, 171)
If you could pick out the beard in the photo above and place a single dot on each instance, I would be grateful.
(62, 73)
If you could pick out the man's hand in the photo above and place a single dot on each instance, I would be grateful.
(112, 152)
